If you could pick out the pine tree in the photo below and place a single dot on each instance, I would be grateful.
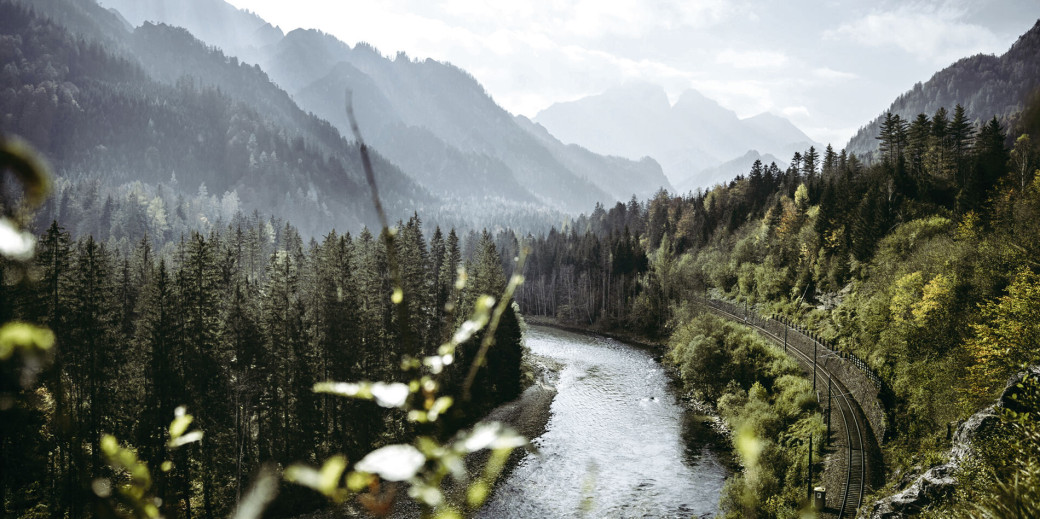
(414, 259)
(810, 162)
(449, 291)
(939, 162)
(893, 137)
(437, 297)
(961, 134)
(830, 162)
(92, 334)
(198, 286)
(917, 147)
(990, 164)
(159, 334)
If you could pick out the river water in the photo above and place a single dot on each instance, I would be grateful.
(617, 444)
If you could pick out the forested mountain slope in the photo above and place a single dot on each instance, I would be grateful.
(984, 85)
(432, 119)
(99, 114)
(238, 33)
(436, 103)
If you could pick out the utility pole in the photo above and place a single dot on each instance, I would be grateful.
(808, 484)
(828, 410)
(814, 344)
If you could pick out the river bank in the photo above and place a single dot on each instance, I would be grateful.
(611, 433)
(528, 415)
(658, 348)
(620, 441)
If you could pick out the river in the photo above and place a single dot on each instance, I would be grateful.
(617, 444)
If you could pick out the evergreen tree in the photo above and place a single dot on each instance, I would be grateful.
(810, 163)
(940, 165)
(917, 147)
(830, 162)
(893, 137)
(437, 297)
(449, 291)
(990, 164)
(91, 339)
(198, 283)
(159, 334)
(961, 132)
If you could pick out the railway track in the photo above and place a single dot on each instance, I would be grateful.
(856, 474)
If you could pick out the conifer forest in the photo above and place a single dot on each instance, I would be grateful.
(250, 270)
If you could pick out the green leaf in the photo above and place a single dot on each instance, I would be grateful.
(358, 481)
(19, 158)
(477, 493)
(180, 425)
(24, 336)
(324, 480)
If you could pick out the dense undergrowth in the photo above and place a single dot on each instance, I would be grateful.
(765, 401)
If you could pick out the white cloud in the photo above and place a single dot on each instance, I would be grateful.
(934, 34)
(795, 111)
(829, 74)
(836, 137)
(747, 97)
(752, 59)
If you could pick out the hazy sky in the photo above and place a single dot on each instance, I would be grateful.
(829, 66)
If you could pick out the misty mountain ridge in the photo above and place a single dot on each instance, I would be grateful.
(86, 101)
(432, 119)
(985, 85)
(237, 32)
(695, 133)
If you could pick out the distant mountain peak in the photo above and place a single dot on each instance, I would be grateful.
(636, 120)
(691, 97)
(767, 116)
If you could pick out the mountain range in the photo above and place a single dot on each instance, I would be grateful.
(686, 138)
(432, 119)
(220, 100)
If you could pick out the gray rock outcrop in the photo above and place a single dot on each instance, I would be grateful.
(938, 482)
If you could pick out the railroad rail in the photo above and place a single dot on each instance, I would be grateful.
(778, 332)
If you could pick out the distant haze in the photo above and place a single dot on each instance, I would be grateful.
(828, 68)
(686, 138)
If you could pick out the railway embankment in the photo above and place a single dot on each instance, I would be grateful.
(847, 390)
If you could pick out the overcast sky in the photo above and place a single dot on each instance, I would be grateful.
(828, 66)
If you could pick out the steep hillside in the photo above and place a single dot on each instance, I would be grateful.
(236, 32)
(425, 156)
(621, 177)
(99, 115)
(439, 98)
(432, 119)
(984, 85)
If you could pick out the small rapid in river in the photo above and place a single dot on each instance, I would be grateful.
(617, 444)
